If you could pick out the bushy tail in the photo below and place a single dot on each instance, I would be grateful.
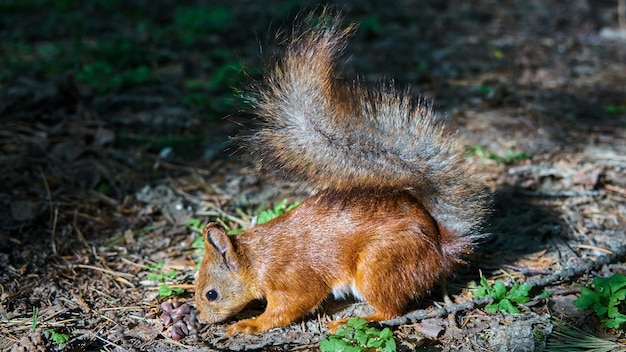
(343, 134)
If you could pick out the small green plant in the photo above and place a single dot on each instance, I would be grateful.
(58, 338)
(545, 294)
(35, 318)
(278, 210)
(355, 336)
(371, 25)
(510, 156)
(224, 86)
(198, 243)
(607, 298)
(227, 76)
(195, 225)
(166, 291)
(497, 54)
(484, 90)
(503, 300)
(158, 275)
(615, 109)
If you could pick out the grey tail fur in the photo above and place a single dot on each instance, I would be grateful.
(342, 134)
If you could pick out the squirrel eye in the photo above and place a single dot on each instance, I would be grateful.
(211, 295)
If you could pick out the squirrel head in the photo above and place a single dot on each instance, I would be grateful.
(221, 288)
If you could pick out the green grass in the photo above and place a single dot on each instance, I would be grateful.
(35, 318)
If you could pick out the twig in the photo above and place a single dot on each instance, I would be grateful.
(182, 286)
(419, 315)
(561, 194)
(172, 166)
(79, 233)
(124, 308)
(585, 246)
(527, 271)
(129, 262)
(173, 342)
(54, 230)
(612, 188)
(107, 341)
(53, 214)
(108, 271)
(579, 269)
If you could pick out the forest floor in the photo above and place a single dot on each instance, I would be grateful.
(115, 119)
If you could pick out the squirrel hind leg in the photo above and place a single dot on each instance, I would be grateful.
(397, 269)
(387, 305)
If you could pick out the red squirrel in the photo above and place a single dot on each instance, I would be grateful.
(399, 206)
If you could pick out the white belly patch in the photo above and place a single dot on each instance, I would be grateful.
(345, 290)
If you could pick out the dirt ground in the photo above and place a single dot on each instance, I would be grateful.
(115, 119)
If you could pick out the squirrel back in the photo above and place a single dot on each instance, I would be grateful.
(342, 134)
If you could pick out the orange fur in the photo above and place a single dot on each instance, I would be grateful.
(399, 207)
(385, 244)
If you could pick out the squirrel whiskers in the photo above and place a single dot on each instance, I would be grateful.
(399, 207)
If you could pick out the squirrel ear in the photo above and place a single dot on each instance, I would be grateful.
(215, 238)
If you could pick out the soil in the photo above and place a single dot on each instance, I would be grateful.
(115, 120)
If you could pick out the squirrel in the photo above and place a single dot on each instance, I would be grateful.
(399, 206)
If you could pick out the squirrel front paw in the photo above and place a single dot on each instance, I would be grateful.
(247, 326)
